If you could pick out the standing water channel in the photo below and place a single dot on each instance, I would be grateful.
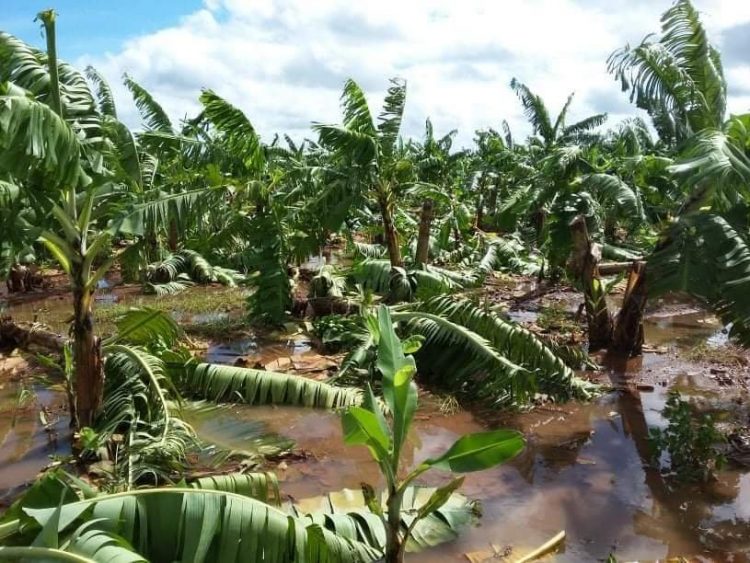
(585, 469)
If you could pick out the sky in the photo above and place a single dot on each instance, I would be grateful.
(284, 62)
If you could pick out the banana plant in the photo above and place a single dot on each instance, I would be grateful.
(70, 160)
(678, 78)
(372, 154)
(383, 427)
(76, 248)
(209, 520)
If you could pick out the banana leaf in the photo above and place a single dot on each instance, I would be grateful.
(346, 514)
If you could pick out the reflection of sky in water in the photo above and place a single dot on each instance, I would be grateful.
(739, 508)
(228, 352)
(25, 446)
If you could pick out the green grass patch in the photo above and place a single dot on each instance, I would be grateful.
(188, 306)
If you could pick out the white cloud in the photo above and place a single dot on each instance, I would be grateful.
(284, 61)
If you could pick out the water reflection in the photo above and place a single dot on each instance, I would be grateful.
(586, 470)
(25, 444)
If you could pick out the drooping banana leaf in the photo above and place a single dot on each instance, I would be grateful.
(190, 525)
(474, 349)
(260, 486)
(84, 545)
(144, 325)
(256, 387)
(345, 513)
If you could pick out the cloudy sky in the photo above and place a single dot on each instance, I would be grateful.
(284, 61)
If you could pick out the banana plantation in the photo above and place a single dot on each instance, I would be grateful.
(364, 346)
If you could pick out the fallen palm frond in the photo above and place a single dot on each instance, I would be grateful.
(327, 283)
(180, 283)
(182, 269)
(140, 406)
(145, 325)
(400, 284)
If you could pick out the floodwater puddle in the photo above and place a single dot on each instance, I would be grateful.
(586, 468)
(33, 427)
(235, 428)
(292, 353)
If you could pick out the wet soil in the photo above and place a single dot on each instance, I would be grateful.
(586, 468)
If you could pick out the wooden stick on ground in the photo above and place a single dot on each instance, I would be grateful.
(543, 549)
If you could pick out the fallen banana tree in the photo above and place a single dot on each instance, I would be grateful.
(26, 335)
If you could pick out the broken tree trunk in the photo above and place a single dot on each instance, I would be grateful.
(585, 264)
(628, 332)
(174, 235)
(479, 217)
(613, 268)
(30, 336)
(14, 335)
(390, 233)
(423, 240)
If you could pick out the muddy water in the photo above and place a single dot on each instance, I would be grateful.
(26, 444)
(54, 310)
(585, 469)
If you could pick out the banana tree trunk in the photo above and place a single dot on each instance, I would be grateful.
(87, 355)
(391, 236)
(492, 201)
(480, 214)
(395, 543)
(628, 333)
(540, 220)
(586, 266)
(423, 240)
(174, 235)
